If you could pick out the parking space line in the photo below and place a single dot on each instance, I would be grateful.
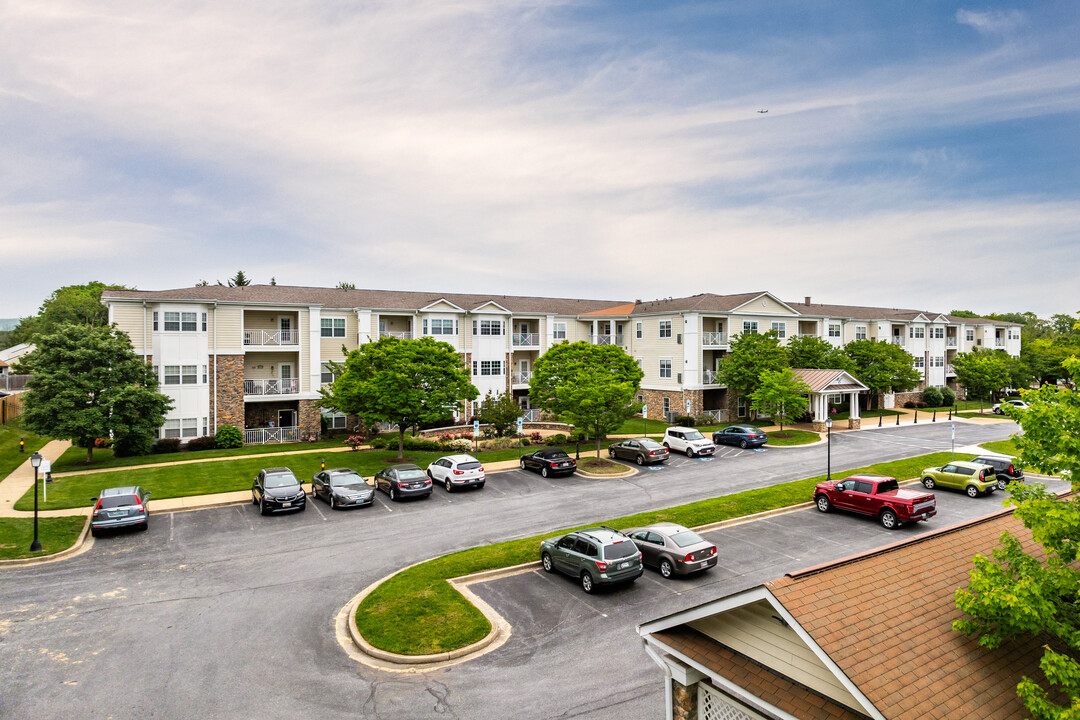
(312, 504)
(665, 586)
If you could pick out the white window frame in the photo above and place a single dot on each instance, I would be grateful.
(490, 368)
(749, 327)
(172, 317)
(323, 373)
(834, 330)
(919, 363)
(171, 429)
(558, 330)
(780, 328)
(917, 333)
(189, 322)
(639, 330)
(665, 365)
(491, 327)
(860, 332)
(174, 374)
(332, 327)
(189, 428)
(665, 329)
(189, 374)
(969, 333)
(937, 333)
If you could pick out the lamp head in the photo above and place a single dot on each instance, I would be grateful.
(828, 422)
(36, 459)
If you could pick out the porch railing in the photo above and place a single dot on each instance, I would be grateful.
(521, 378)
(897, 340)
(709, 377)
(718, 416)
(399, 334)
(271, 337)
(14, 382)
(999, 342)
(950, 342)
(272, 386)
(530, 415)
(713, 339)
(265, 436)
(949, 370)
(525, 339)
(607, 339)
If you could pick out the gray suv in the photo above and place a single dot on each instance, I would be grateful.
(597, 556)
(119, 508)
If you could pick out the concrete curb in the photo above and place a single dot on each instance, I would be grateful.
(629, 471)
(84, 542)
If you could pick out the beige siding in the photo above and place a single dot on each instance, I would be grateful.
(230, 322)
(130, 318)
(330, 347)
(765, 305)
(752, 631)
(651, 348)
(257, 366)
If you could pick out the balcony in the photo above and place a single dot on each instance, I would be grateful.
(897, 340)
(606, 339)
(808, 334)
(521, 378)
(999, 342)
(264, 436)
(399, 334)
(713, 339)
(520, 340)
(272, 386)
(271, 337)
(950, 342)
(949, 370)
(530, 415)
(710, 377)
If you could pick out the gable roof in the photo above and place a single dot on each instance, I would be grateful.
(821, 380)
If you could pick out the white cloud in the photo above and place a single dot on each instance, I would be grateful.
(992, 22)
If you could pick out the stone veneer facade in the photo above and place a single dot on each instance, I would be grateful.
(684, 701)
(228, 373)
(310, 419)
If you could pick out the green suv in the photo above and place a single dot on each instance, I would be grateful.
(597, 556)
(973, 478)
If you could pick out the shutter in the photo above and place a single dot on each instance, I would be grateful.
(679, 377)
(678, 339)
(474, 331)
(425, 326)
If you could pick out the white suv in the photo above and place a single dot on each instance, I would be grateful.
(689, 441)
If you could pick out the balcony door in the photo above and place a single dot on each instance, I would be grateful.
(286, 330)
(286, 418)
(285, 374)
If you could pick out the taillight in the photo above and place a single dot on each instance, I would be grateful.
(689, 557)
(652, 452)
(403, 485)
(712, 551)
(601, 566)
(459, 472)
(481, 468)
(1011, 471)
(639, 556)
(97, 507)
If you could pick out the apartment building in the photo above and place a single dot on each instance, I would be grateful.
(255, 356)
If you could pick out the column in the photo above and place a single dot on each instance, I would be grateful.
(854, 421)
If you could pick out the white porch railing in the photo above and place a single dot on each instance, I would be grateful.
(807, 334)
(264, 436)
(713, 339)
(271, 337)
(530, 415)
(272, 386)
(718, 416)
(607, 339)
(14, 382)
(400, 335)
(897, 340)
(709, 377)
(950, 342)
(521, 378)
(525, 339)
(949, 370)
(999, 342)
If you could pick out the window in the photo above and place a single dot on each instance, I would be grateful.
(667, 405)
(489, 327)
(639, 362)
(155, 320)
(204, 376)
(487, 367)
(189, 427)
(780, 328)
(171, 429)
(332, 327)
(558, 330)
(665, 368)
(742, 406)
(860, 332)
(172, 322)
(187, 322)
(919, 363)
(172, 377)
(836, 399)
(939, 361)
(440, 327)
(637, 330)
(205, 426)
(749, 327)
(189, 374)
(916, 332)
(834, 330)
(937, 333)
(970, 334)
(665, 328)
(641, 398)
(334, 420)
(204, 322)
(327, 375)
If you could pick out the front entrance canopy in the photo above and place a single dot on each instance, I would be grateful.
(824, 383)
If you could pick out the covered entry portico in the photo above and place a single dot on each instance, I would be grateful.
(826, 383)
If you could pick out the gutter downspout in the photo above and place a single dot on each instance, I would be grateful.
(144, 331)
(668, 711)
(215, 367)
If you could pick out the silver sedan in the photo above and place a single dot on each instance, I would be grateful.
(673, 549)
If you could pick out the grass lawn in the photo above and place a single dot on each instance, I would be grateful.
(1002, 447)
(792, 437)
(416, 612)
(867, 414)
(55, 534)
(600, 466)
(638, 425)
(10, 458)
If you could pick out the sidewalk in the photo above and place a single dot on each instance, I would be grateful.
(15, 485)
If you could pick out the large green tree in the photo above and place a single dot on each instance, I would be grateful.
(808, 351)
(592, 386)
(1015, 594)
(77, 304)
(782, 395)
(882, 366)
(88, 383)
(750, 356)
(405, 382)
(499, 411)
(982, 372)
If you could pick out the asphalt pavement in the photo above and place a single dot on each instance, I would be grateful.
(221, 613)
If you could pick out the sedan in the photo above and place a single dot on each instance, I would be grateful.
(742, 435)
(999, 407)
(550, 461)
(457, 471)
(673, 549)
(643, 451)
(120, 507)
(973, 478)
(277, 489)
(341, 488)
(401, 481)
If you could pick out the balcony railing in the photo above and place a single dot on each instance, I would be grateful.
(526, 339)
(999, 342)
(264, 436)
(399, 334)
(273, 386)
(718, 416)
(271, 337)
(897, 340)
(808, 334)
(950, 342)
(949, 370)
(710, 377)
(713, 339)
(530, 415)
(607, 339)
(521, 378)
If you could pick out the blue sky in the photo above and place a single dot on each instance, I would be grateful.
(920, 154)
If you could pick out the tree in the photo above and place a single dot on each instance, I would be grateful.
(782, 395)
(981, 372)
(499, 411)
(88, 383)
(750, 356)
(882, 366)
(238, 280)
(79, 304)
(592, 386)
(405, 382)
(1017, 594)
(807, 351)
(273, 280)
(345, 285)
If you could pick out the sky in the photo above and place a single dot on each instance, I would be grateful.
(922, 154)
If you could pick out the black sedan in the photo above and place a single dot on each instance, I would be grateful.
(742, 435)
(643, 451)
(402, 481)
(549, 461)
(341, 488)
(277, 489)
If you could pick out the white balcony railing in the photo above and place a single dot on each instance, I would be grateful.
(607, 339)
(897, 340)
(808, 334)
(949, 370)
(709, 377)
(713, 339)
(263, 436)
(400, 335)
(999, 342)
(521, 378)
(950, 342)
(717, 416)
(271, 337)
(530, 415)
(526, 339)
(272, 386)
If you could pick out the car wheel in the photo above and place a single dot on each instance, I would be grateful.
(333, 505)
(640, 459)
(522, 464)
(611, 454)
(742, 444)
(94, 532)
(480, 486)
(545, 560)
(262, 506)
(689, 452)
(1002, 485)
(823, 503)
(144, 527)
(928, 483)
(668, 447)
(666, 569)
(889, 520)
(393, 494)
(972, 491)
(544, 471)
(254, 500)
(449, 486)
(587, 582)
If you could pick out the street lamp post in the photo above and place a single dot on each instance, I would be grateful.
(35, 460)
(828, 436)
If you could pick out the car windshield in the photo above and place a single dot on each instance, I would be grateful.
(557, 455)
(693, 435)
(115, 501)
(887, 485)
(468, 466)
(280, 480)
(650, 444)
(688, 537)
(620, 550)
(347, 480)
(411, 475)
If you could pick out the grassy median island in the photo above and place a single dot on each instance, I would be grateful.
(416, 612)
(790, 437)
(55, 534)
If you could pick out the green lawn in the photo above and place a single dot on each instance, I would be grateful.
(1002, 447)
(55, 534)
(867, 414)
(798, 437)
(417, 613)
(638, 425)
(10, 458)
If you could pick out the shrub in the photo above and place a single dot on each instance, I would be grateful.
(461, 445)
(354, 441)
(920, 404)
(420, 443)
(228, 436)
(536, 437)
(931, 396)
(525, 442)
(132, 446)
(556, 439)
(909, 404)
(684, 421)
(379, 442)
(948, 397)
(206, 442)
(503, 443)
(165, 445)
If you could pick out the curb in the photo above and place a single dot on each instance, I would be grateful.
(627, 473)
(84, 542)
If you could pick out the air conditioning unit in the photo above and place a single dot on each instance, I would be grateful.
(678, 338)
(679, 377)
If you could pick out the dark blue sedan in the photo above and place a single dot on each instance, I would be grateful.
(745, 436)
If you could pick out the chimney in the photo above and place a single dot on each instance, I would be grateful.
(637, 302)
(807, 301)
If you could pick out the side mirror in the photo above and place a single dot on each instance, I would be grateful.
(838, 488)
(93, 500)
(147, 494)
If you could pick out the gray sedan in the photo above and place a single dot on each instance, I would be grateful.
(643, 451)
(673, 549)
(341, 487)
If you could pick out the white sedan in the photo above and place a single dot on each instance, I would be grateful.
(457, 471)
(1015, 403)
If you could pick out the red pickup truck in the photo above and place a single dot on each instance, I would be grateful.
(878, 496)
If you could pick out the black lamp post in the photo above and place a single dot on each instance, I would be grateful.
(828, 436)
(35, 460)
